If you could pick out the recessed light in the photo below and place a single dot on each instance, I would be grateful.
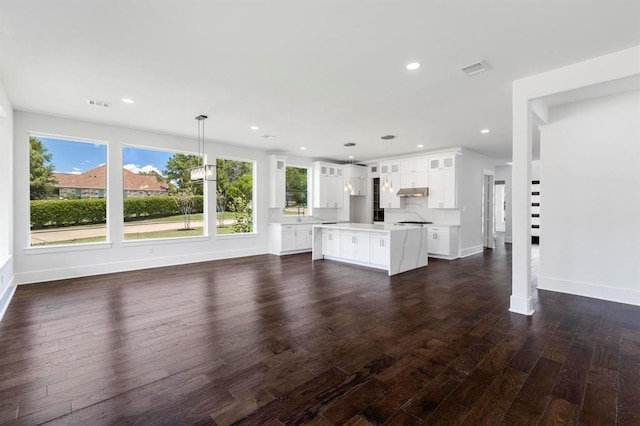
(128, 101)
(351, 156)
(303, 148)
(420, 146)
(485, 131)
(413, 66)
(509, 163)
(255, 128)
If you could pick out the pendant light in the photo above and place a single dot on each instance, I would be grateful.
(204, 172)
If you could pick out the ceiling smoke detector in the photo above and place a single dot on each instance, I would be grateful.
(349, 144)
(103, 104)
(475, 68)
(387, 137)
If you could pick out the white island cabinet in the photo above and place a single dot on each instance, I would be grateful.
(393, 248)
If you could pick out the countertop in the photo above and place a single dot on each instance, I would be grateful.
(368, 227)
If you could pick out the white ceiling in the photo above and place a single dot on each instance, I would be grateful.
(314, 73)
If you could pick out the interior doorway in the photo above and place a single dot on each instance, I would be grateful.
(500, 206)
(488, 207)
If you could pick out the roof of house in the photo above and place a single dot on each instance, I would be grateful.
(96, 179)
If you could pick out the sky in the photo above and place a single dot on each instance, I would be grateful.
(78, 157)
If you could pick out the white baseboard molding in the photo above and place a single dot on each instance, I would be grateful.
(133, 265)
(508, 240)
(7, 285)
(593, 290)
(470, 251)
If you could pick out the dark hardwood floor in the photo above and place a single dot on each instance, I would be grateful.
(278, 340)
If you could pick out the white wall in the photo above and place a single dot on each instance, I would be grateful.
(50, 263)
(590, 203)
(470, 181)
(7, 286)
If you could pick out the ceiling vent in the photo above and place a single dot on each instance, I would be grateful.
(475, 68)
(349, 144)
(387, 137)
(103, 104)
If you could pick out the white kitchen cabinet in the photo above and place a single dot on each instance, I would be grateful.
(331, 242)
(328, 185)
(355, 180)
(414, 172)
(290, 238)
(277, 181)
(442, 182)
(389, 185)
(443, 241)
(304, 235)
(380, 248)
(355, 245)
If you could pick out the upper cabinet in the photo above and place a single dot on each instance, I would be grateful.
(390, 177)
(414, 172)
(355, 180)
(443, 187)
(277, 181)
(328, 185)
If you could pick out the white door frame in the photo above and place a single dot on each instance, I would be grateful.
(488, 208)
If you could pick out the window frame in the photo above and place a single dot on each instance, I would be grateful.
(53, 248)
(254, 200)
(163, 240)
(309, 192)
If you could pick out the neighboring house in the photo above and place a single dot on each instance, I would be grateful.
(92, 184)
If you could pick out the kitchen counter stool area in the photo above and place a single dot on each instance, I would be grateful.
(395, 249)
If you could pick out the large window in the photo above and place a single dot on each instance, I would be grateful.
(234, 196)
(296, 192)
(160, 200)
(67, 190)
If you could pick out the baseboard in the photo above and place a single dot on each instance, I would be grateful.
(7, 286)
(470, 251)
(133, 265)
(593, 290)
(508, 240)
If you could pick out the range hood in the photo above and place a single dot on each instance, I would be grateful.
(413, 192)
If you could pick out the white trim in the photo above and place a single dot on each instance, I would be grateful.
(236, 235)
(61, 248)
(470, 251)
(6, 297)
(520, 305)
(594, 290)
(162, 241)
(6, 290)
(133, 265)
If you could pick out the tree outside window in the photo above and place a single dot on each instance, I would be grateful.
(234, 196)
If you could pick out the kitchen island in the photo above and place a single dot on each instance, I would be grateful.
(393, 248)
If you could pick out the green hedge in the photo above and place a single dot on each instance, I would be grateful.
(88, 211)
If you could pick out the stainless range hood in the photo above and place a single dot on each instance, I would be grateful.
(413, 192)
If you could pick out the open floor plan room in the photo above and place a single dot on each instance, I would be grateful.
(281, 342)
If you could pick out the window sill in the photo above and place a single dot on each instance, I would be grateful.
(67, 248)
(236, 236)
(162, 241)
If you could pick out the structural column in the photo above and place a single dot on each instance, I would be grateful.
(521, 301)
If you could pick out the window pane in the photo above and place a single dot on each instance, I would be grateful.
(296, 193)
(160, 200)
(234, 196)
(68, 182)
